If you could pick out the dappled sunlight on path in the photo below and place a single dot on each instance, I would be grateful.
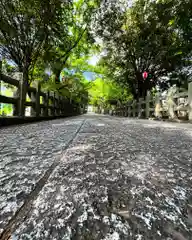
(118, 179)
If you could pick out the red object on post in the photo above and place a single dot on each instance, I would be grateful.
(145, 75)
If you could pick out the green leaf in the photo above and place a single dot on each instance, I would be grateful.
(179, 53)
(171, 22)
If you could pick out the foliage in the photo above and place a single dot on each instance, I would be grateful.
(50, 41)
(74, 37)
(26, 29)
(8, 69)
(49, 35)
(149, 36)
(5, 109)
(104, 91)
(73, 85)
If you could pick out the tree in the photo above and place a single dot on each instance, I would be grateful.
(26, 28)
(76, 39)
(141, 38)
(104, 91)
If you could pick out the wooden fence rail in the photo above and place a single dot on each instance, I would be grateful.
(43, 104)
(146, 108)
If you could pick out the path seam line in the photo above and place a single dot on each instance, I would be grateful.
(21, 213)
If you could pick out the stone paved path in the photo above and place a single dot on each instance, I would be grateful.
(96, 177)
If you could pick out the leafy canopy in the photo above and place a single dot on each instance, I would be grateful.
(151, 36)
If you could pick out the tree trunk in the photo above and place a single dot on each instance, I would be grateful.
(139, 80)
(143, 86)
(57, 76)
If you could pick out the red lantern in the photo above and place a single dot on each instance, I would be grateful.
(145, 75)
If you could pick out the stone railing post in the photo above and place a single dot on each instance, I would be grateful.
(134, 109)
(0, 74)
(139, 108)
(63, 106)
(157, 110)
(147, 105)
(126, 110)
(51, 99)
(22, 96)
(60, 106)
(45, 103)
(117, 111)
(0, 81)
(122, 111)
(54, 104)
(57, 104)
(16, 95)
(37, 100)
(190, 100)
(47, 106)
(33, 99)
(129, 109)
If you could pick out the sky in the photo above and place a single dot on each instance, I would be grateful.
(89, 76)
(92, 61)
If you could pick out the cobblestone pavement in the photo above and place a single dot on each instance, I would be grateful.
(119, 178)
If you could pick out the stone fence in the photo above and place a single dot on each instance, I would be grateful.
(43, 105)
(178, 105)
